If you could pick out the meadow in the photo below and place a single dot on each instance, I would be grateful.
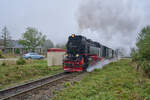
(116, 81)
(12, 74)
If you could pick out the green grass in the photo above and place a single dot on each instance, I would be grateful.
(117, 81)
(10, 55)
(13, 74)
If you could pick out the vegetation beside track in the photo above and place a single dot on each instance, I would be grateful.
(117, 81)
(141, 54)
(12, 74)
(10, 55)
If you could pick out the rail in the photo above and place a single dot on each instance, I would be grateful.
(20, 89)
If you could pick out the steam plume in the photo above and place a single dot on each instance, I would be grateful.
(112, 22)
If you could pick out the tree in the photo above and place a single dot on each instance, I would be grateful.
(48, 44)
(143, 43)
(6, 38)
(134, 54)
(62, 46)
(32, 38)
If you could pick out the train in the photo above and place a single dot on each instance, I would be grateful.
(82, 52)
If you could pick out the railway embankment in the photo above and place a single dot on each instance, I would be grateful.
(12, 74)
(117, 80)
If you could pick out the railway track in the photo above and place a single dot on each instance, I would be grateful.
(27, 87)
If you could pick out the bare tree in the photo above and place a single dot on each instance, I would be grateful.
(5, 37)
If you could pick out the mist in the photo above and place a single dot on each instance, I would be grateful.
(114, 23)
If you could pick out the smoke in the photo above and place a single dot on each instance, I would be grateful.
(114, 23)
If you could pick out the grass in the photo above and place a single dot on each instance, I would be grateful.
(117, 81)
(10, 55)
(12, 74)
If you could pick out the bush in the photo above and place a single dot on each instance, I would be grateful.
(146, 67)
(67, 84)
(17, 51)
(141, 55)
(143, 42)
(4, 64)
(20, 61)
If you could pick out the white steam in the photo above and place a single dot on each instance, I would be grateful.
(101, 64)
(114, 23)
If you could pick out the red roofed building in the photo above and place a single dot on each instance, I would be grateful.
(55, 56)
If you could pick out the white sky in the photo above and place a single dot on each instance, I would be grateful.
(54, 18)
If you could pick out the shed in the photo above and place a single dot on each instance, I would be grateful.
(55, 56)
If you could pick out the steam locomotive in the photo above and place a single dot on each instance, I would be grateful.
(82, 52)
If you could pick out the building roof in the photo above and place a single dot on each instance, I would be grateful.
(15, 44)
(56, 50)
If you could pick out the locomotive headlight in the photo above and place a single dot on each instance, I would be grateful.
(73, 35)
(77, 55)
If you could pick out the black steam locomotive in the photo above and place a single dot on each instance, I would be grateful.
(82, 52)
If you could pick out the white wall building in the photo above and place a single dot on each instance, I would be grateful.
(55, 56)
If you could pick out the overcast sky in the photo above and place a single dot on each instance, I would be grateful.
(55, 18)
